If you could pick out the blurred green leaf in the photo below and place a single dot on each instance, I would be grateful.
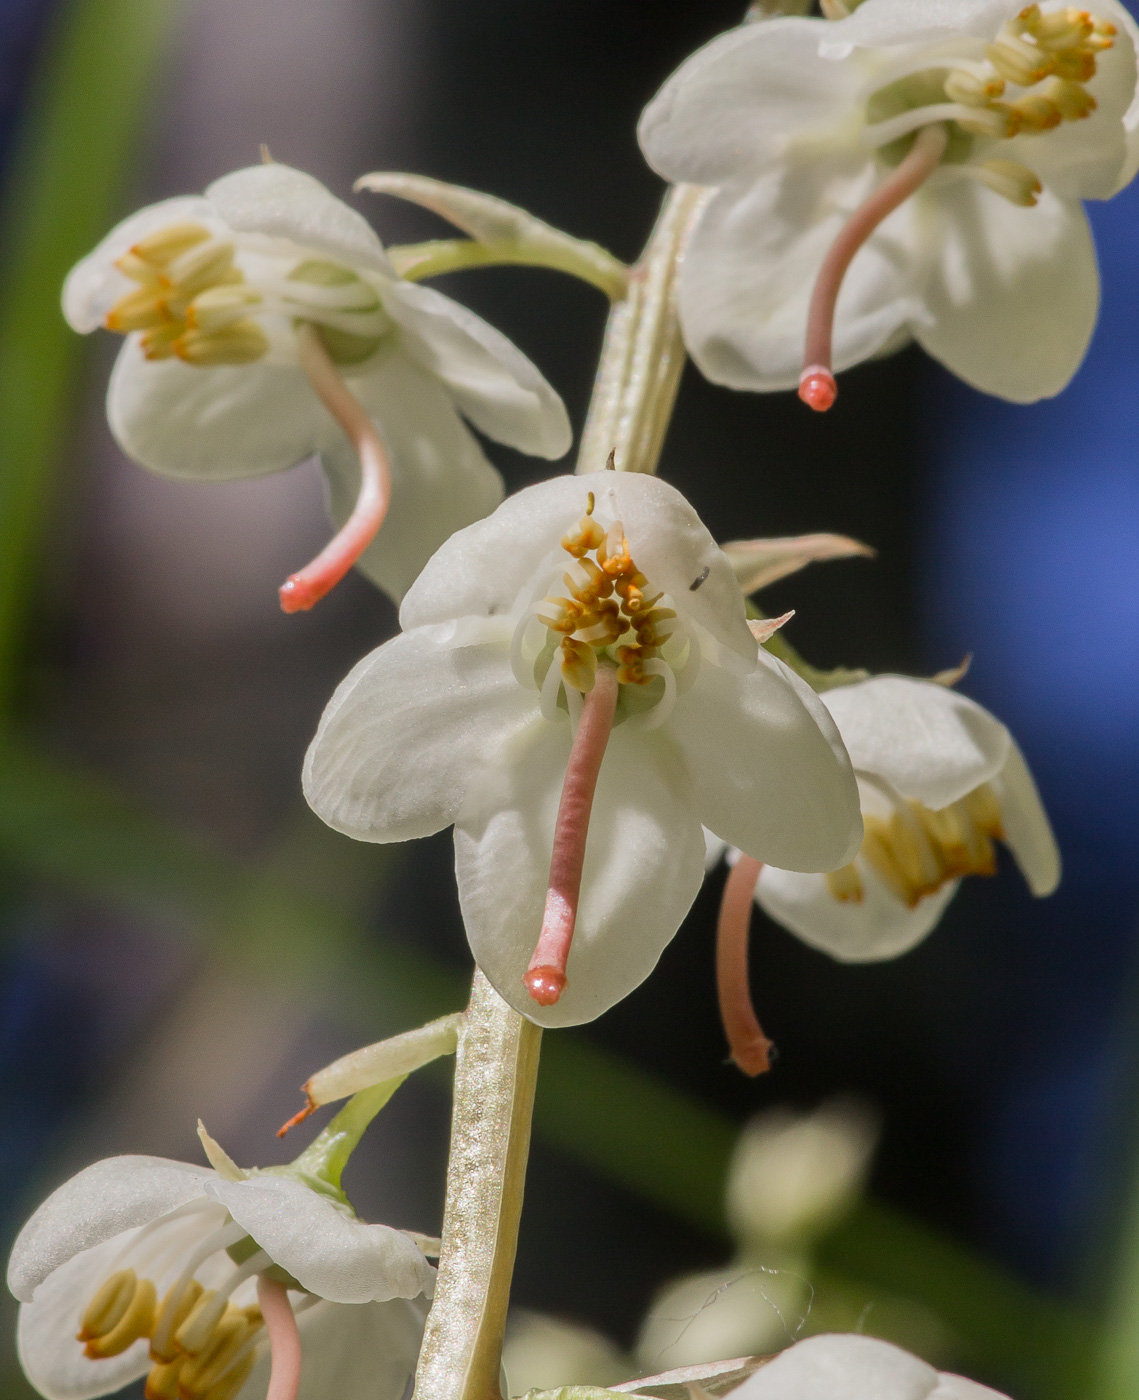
(77, 143)
(623, 1123)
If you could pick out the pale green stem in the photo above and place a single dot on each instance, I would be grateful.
(643, 353)
(418, 261)
(496, 1073)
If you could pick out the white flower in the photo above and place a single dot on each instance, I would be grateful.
(804, 127)
(142, 1266)
(940, 780)
(527, 638)
(214, 293)
(842, 1366)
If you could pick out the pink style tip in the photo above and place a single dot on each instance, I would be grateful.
(817, 388)
(545, 984)
(298, 595)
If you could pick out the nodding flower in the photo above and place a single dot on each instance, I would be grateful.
(941, 783)
(906, 172)
(203, 1280)
(264, 324)
(577, 690)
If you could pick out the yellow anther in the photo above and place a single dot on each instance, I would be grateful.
(200, 1372)
(194, 1333)
(579, 664)
(162, 1381)
(219, 307)
(1037, 113)
(1078, 66)
(241, 343)
(231, 1382)
(845, 885)
(998, 121)
(985, 810)
(111, 1300)
(588, 535)
(1009, 178)
(165, 244)
(176, 1308)
(971, 90)
(140, 310)
(135, 1322)
(1019, 62)
(158, 344)
(201, 267)
(1071, 100)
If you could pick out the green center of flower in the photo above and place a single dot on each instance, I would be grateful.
(916, 850)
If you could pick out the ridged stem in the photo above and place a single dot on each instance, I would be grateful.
(496, 1072)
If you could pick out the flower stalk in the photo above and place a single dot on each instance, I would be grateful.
(496, 1073)
(643, 353)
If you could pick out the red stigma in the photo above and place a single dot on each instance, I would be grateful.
(298, 596)
(545, 984)
(817, 388)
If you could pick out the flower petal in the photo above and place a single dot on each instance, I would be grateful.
(94, 284)
(52, 1358)
(1012, 301)
(928, 741)
(880, 926)
(890, 23)
(768, 768)
(365, 1352)
(486, 569)
(751, 265)
(400, 738)
(841, 1367)
(212, 424)
(441, 481)
(98, 1203)
(1027, 831)
(502, 392)
(736, 103)
(281, 202)
(325, 1249)
(644, 864)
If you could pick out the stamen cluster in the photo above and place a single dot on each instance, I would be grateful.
(200, 1343)
(191, 301)
(916, 850)
(608, 599)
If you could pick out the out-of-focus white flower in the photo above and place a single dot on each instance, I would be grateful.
(545, 1353)
(588, 633)
(938, 152)
(220, 294)
(139, 1266)
(842, 1366)
(940, 781)
(793, 1176)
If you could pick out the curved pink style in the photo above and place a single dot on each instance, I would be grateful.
(749, 1047)
(301, 590)
(284, 1340)
(817, 388)
(545, 978)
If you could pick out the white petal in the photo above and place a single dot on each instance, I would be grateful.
(768, 768)
(880, 926)
(1013, 299)
(496, 386)
(441, 481)
(841, 1367)
(282, 202)
(895, 22)
(482, 570)
(959, 1388)
(212, 424)
(362, 1352)
(749, 271)
(714, 849)
(325, 1249)
(736, 103)
(98, 1203)
(404, 732)
(1122, 18)
(1027, 831)
(644, 864)
(930, 742)
(45, 1334)
(94, 284)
